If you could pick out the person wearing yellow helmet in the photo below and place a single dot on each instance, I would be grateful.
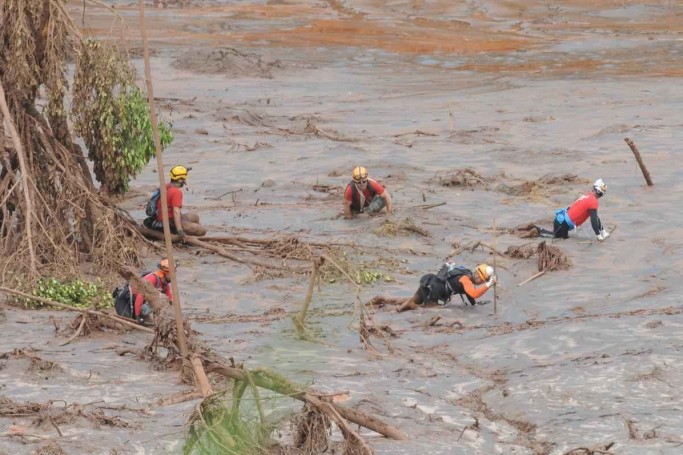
(181, 223)
(364, 194)
(576, 214)
(452, 279)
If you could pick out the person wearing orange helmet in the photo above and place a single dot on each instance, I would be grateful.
(181, 223)
(576, 214)
(363, 194)
(131, 304)
(452, 279)
(161, 280)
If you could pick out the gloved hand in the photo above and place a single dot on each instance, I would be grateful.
(492, 280)
(183, 237)
(603, 235)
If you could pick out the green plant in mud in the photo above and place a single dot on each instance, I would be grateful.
(225, 424)
(75, 293)
(362, 273)
(112, 116)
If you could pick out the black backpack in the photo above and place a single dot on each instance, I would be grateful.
(151, 207)
(123, 299)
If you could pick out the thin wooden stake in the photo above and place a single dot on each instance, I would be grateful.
(643, 169)
(182, 341)
(300, 320)
(495, 270)
(531, 278)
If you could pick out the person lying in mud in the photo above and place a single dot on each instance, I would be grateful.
(576, 214)
(132, 305)
(452, 279)
(365, 195)
(180, 223)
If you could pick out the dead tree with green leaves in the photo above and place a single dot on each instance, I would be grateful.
(53, 215)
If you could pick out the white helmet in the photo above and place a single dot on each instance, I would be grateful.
(600, 186)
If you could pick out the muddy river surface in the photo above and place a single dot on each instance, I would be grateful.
(272, 100)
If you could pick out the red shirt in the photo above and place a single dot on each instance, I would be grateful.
(379, 189)
(578, 211)
(174, 198)
(158, 280)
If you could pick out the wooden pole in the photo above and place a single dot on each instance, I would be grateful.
(28, 216)
(531, 278)
(495, 270)
(201, 378)
(309, 295)
(643, 169)
(182, 341)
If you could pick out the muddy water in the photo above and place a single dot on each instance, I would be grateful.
(411, 90)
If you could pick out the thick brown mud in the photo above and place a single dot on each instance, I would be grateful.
(468, 112)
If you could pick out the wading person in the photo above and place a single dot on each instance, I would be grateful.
(133, 305)
(365, 195)
(576, 214)
(181, 223)
(451, 279)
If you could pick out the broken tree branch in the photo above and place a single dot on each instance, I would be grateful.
(352, 415)
(80, 310)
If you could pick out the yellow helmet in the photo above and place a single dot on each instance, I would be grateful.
(484, 271)
(359, 173)
(179, 172)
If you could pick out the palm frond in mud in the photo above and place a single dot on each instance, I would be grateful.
(406, 226)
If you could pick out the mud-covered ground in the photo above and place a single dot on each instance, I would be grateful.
(273, 101)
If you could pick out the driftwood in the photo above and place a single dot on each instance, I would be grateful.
(151, 233)
(63, 306)
(299, 321)
(209, 361)
(643, 169)
(351, 415)
(533, 277)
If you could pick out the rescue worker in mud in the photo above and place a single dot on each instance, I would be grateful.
(181, 224)
(133, 305)
(365, 195)
(576, 214)
(452, 279)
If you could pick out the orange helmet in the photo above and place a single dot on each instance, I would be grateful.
(359, 174)
(165, 266)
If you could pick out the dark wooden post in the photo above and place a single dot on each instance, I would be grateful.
(635, 151)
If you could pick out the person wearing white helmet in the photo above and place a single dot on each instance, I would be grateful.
(452, 279)
(576, 214)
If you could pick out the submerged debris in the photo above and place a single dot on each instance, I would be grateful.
(551, 258)
(467, 177)
(227, 61)
(403, 227)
